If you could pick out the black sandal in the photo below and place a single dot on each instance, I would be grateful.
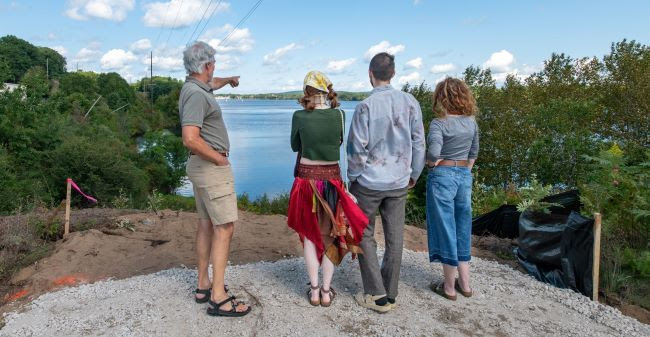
(215, 308)
(207, 293)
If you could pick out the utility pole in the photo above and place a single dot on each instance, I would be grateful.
(151, 78)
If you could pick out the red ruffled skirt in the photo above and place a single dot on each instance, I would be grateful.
(321, 211)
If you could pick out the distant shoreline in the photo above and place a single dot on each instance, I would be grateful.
(293, 95)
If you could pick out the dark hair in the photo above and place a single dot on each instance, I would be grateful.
(452, 96)
(382, 66)
(310, 91)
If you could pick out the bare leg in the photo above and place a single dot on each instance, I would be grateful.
(220, 250)
(203, 242)
(328, 273)
(450, 278)
(463, 276)
(311, 262)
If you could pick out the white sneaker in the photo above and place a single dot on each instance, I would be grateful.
(368, 301)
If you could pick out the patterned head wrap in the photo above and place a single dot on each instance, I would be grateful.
(317, 80)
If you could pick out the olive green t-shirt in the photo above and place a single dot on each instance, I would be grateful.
(317, 133)
(198, 107)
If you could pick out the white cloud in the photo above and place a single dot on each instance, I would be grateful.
(337, 67)
(275, 56)
(383, 46)
(356, 86)
(179, 13)
(291, 85)
(117, 59)
(443, 68)
(169, 63)
(51, 36)
(412, 78)
(240, 39)
(114, 10)
(415, 63)
(141, 45)
(60, 49)
(226, 62)
(89, 53)
(500, 62)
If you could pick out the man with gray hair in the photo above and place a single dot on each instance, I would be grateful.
(208, 168)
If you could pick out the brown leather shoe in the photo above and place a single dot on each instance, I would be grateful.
(440, 290)
(460, 290)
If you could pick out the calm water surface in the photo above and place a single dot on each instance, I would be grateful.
(260, 151)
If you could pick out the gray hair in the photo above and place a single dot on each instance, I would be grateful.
(197, 55)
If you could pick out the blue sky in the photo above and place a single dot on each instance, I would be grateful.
(284, 39)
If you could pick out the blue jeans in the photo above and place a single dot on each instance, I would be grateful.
(449, 214)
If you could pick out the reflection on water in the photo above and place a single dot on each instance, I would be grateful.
(260, 152)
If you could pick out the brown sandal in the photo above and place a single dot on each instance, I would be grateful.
(460, 290)
(440, 290)
(312, 288)
(332, 296)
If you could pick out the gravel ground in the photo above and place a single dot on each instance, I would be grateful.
(506, 303)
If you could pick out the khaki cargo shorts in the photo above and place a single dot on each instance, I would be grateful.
(214, 190)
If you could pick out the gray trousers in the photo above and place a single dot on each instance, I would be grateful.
(391, 205)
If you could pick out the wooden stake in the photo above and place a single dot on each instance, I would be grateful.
(66, 229)
(596, 265)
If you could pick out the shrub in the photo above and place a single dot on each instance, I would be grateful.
(264, 205)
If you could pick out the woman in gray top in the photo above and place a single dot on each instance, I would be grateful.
(453, 148)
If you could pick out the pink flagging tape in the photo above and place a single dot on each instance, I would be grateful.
(72, 183)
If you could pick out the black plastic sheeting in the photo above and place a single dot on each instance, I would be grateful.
(503, 222)
(555, 248)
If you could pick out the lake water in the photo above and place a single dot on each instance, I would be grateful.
(260, 151)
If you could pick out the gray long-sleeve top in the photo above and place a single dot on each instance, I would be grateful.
(453, 137)
(386, 144)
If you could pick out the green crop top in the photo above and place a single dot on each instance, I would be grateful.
(317, 133)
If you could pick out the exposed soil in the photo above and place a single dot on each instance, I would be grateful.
(166, 240)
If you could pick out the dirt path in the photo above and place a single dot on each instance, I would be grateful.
(161, 243)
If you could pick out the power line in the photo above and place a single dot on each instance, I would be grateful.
(162, 27)
(171, 29)
(209, 18)
(250, 12)
(199, 23)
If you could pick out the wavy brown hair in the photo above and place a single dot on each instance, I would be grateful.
(310, 91)
(453, 97)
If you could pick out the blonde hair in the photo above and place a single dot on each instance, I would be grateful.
(453, 97)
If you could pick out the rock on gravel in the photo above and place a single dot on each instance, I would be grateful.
(506, 303)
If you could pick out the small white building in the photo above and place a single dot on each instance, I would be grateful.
(9, 87)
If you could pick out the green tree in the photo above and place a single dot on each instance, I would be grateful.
(79, 82)
(35, 82)
(50, 58)
(19, 54)
(115, 89)
(5, 71)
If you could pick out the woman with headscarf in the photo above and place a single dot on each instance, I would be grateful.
(326, 218)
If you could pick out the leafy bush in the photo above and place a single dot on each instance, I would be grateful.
(178, 203)
(163, 158)
(620, 191)
(532, 195)
(264, 205)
